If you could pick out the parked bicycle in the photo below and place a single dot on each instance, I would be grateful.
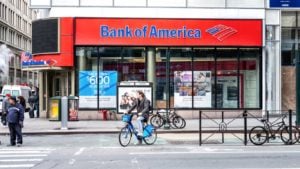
(125, 135)
(160, 119)
(260, 134)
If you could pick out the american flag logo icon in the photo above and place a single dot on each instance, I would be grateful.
(221, 32)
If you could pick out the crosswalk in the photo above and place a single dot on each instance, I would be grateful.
(22, 157)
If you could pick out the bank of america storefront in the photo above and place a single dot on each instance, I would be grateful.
(192, 63)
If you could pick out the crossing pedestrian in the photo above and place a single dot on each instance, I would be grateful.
(15, 118)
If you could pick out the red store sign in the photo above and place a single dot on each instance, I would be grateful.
(168, 32)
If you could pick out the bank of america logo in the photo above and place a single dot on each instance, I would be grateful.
(221, 32)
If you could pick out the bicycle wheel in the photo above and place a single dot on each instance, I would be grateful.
(156, 121)
(258, 135)
(125, 136)
(179, 122)
(151, 139)
(285, 135)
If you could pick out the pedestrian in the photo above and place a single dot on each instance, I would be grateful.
(22, 101)
(36, 104)
(5, 106)
(31, 101)
(15, 119)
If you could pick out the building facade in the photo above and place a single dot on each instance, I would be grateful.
(198, 54)
(15, 38)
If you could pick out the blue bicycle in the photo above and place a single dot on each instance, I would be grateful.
(149, 134)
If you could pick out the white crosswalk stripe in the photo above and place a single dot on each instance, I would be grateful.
(22, 157)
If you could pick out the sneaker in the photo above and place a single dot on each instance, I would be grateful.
(19, 145)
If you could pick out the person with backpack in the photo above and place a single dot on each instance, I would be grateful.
(15, 118)
(142, 105)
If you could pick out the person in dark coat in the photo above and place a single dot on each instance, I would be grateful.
(15, 118)
(5, 106)
(142, 105)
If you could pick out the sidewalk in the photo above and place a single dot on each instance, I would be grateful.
(44, 126)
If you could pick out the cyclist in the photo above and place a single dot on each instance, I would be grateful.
(142, 105)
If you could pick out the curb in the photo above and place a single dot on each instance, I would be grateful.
(71, 132)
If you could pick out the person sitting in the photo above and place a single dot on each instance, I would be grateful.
(142, 105)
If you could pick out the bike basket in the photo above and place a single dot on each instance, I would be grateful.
(148, 130)
(126, 118)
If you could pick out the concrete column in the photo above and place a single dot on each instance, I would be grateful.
(151, 71)
(73, 82)
(41, 94)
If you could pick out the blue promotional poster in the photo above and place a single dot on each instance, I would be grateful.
(285, 3)
(88, 89)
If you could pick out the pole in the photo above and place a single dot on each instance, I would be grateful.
(64, 113)
(245, 127)
(222, 129)
(290, 127)
(297, 88)
(200, 127)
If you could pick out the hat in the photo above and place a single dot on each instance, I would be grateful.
(7, 95)
(13, 98)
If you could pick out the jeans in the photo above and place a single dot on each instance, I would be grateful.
(15, 131)
(140, 121)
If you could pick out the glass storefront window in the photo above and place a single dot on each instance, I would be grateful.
(185, 78)
(227, 88)
(161, 78)
(181, 77)
(204, 75)
(250, 71)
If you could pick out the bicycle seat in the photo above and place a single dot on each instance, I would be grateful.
(263, 120)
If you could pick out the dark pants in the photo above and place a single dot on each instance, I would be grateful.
(3, 119)
(37, 108)
(15, 133)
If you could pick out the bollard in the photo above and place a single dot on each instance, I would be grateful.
(200, 127)
(64, 113)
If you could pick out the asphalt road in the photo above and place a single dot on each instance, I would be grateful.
(104, 152)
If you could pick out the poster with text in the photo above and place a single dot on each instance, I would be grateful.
(127, 96)
(88, 89)
(188, 84)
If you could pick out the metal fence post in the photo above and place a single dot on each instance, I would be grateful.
(223, 128)
(245, 127)
(64, 113)
(290, 127)
(200, 128)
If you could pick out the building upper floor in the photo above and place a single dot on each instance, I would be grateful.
(17, 15)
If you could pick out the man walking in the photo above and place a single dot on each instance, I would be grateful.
(5, 106)
(15, 118)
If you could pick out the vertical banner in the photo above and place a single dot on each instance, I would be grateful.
(88, 89)
(188, 84)
(127, 96)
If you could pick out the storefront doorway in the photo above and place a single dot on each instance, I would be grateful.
(55, 83)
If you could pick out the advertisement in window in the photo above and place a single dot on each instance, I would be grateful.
(88, 89)
(185, 91)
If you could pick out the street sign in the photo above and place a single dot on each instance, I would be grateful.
(284, 4)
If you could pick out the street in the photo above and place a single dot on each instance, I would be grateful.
(103, 151)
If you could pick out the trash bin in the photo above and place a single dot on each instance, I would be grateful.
(73, 106)
(55, 108)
